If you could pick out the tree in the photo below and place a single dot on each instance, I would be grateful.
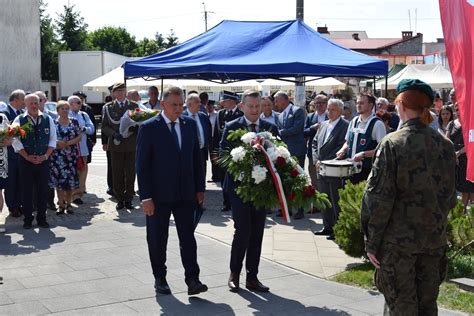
(49, 45)
(160, 41)
(146, 47)
(72, 29)
(113, 39)
(171, 39)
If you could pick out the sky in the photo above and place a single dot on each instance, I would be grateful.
(143, 18)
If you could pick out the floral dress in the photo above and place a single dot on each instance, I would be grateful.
(3, 155)
(62, 162)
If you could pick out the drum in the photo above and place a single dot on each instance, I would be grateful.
(339, 168)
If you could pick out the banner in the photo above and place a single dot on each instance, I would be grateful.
(457, 18)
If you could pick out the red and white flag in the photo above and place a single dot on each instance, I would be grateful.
(457, 18)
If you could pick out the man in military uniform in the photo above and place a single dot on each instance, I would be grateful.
(364, 133)
(229, 113)
(122, 150)
(34, 150)
(409, 194)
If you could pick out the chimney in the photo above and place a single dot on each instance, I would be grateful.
(323, 29)
(355, 36)
(407, 34)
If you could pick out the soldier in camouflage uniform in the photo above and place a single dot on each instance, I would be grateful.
(409, 194)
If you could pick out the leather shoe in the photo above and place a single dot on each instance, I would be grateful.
(233, 282)
(78, 201)
(120, 205)
(256, 286)
(43, 224)
(161, 287)
(195, 287)
(110, 192)
(331, 237)
(299, 215)
(129, 205)
(323, 232)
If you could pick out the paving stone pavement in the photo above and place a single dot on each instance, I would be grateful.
(96, 262)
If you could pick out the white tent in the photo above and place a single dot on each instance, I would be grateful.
(437, 76)
(102, 83)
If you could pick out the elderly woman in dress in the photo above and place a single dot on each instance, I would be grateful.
(3, 161)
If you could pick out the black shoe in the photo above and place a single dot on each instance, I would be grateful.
(331, 237)
(233, 282)
(110, 192)
(256, 286)
(78, 201)
(195, 287)
(69, 209)
(61, 210)
(120, 205)
(43, 224)
(129, 205)
(225, 209)
(323, 232)
(161, 287)
(51, 206)
(299, 215)
(27, 225)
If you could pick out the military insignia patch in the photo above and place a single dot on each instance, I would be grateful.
(46, 131)
(362, 141)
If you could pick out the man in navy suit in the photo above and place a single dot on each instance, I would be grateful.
(313, 121)
(249, 222)
(12, 191)
(193, 103)
(291, 128)
(328, 140)
(171, 180)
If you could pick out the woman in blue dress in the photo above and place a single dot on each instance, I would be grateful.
(63, 161)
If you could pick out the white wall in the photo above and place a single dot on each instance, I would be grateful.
(20, 51)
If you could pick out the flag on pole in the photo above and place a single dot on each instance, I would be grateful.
(457, 19)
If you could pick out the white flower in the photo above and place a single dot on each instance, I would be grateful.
(259, 174)
(247, 137)
(266, 135)
(238, 153)
(283, 152)
(273, 153)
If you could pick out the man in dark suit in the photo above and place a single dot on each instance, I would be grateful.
(313, 121)
(229, 113)
(122, 150)
(171, 180)
(328, 140)
(193, 104)
(13, 191)
(249, 222)
(291, 128)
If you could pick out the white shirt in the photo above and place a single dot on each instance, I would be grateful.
(321, 118)
(270, 118)
(330, 128)
(176, 126)
(378, 132)
(286, 111)
(213, 119)
(18, 145)
(257, 123)
(195, 116)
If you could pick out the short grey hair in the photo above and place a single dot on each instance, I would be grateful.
(250, 93)
(382, 100)
(41, 94)
(173, 91)
(30, 96)
(73, 98)
(192, 96)
(337, 102)
(282, 94)
(17, 94)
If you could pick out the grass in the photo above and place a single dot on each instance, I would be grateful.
(450, 295)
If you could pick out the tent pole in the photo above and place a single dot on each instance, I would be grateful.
(161, 94)
(386, 86)
(374, 89)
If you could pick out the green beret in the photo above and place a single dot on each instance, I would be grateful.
(415, 84)
(118, 85)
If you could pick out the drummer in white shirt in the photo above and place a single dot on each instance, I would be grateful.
(328, 141)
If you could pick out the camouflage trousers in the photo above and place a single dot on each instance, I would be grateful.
(410, 281)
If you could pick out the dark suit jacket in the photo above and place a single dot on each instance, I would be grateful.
(109, 128)
(309, 132)
(291, 130)
(225, 144)
(164, 172)
(206, 127)
(328, 150)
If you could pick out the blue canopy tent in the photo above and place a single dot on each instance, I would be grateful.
(240, 50)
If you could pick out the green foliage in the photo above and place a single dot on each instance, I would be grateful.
(113, 39)
(146, 47)
(461, 229)
(49, 45)
(347, 230)
(171, 39)
(461, 266)
(72, 29)
(361, 275)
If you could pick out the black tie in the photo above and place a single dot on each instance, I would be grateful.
(174, 134)
(18, 112)
(253, 127)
